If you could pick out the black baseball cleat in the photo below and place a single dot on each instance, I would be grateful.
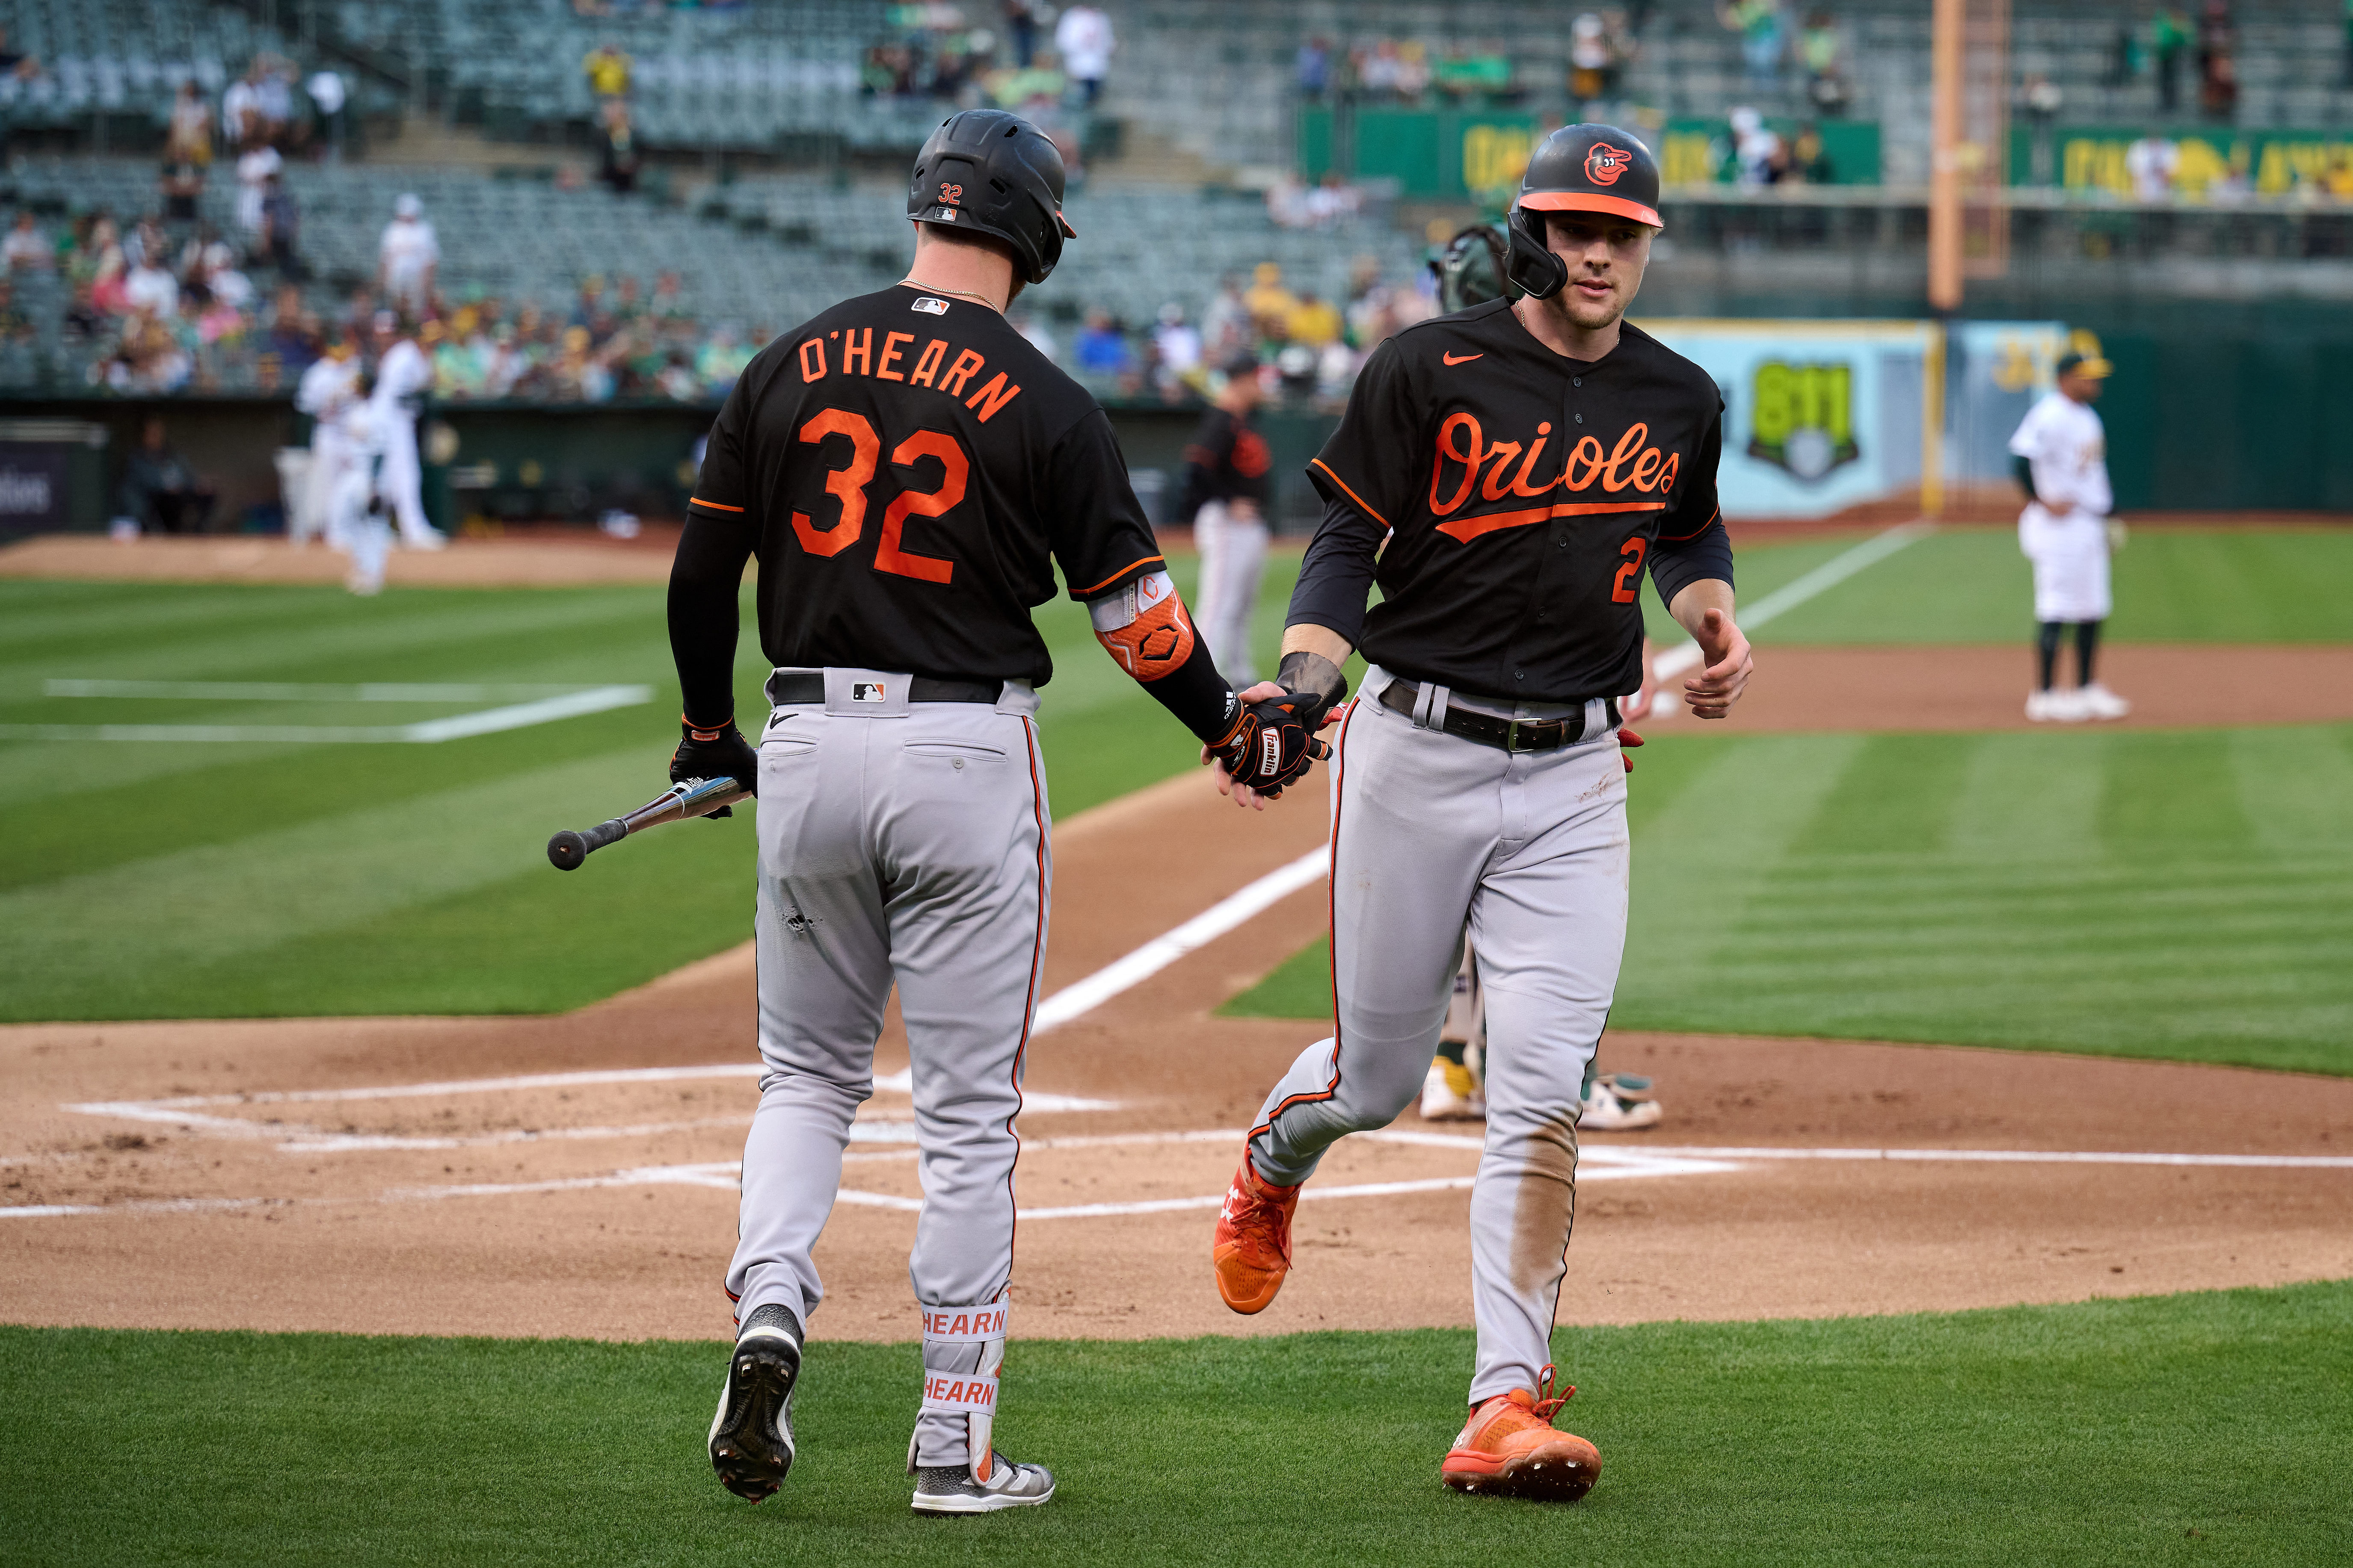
(752, 1435)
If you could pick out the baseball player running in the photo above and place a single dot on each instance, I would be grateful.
(1529, 461)
(404, 378)
(2060, 456)
(910, 470)
(1225, 494)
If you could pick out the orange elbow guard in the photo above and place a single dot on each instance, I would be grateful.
(1144, 628)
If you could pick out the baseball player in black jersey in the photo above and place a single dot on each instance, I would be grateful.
(1225, 494)
(1527, 462)
(909, 471)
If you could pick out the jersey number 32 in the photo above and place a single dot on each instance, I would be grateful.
(847, 484)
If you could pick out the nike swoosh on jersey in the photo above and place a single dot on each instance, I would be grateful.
(1462, 359)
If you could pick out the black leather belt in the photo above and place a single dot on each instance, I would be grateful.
(1504, 734)
(787, 691)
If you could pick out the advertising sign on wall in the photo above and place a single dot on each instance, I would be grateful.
(1818, 415)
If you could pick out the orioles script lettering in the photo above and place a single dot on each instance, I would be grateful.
(1628, 475)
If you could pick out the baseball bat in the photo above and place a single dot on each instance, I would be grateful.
(695, 798)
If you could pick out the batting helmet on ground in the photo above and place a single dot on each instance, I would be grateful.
(994, 174)
(1578, 168)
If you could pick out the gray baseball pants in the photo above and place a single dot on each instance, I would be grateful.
(904, 842)
(1429, 831)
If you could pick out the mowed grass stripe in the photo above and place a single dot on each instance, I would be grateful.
(2098, 891)
(2195, 1429)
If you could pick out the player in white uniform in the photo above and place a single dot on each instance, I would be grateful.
(357, 523)
(403, 376)
(409, 258)
(2062, 464)
(327, 391)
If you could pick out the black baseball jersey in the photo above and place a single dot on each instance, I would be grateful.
(1225, 460)
(1524, 494)
(908, 463)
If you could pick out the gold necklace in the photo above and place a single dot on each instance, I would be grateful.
(935, 288)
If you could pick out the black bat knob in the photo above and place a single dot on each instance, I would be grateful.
(567, 851)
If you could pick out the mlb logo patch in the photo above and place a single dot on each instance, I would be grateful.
(866, 691)
(943, 215)
(930, 307)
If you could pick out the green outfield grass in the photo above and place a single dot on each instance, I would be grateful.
(183, 879)
(1971, 585)
(2194, 1429)
(2178, 894)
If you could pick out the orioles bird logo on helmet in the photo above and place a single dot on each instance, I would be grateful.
(1604, 164)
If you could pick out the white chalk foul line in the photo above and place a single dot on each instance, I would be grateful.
(1684, 656)
(426, 732)
(1086, 996)
(305, 692)
(2019, 1157)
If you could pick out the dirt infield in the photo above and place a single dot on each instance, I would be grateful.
(1974, 687)
(578, 559)
(575, 1175)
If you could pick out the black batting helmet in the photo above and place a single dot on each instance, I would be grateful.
(995, 174)
(1578, 168)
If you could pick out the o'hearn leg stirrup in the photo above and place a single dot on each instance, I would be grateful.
(986, 1481)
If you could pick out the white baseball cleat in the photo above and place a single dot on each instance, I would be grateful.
(2052, 707)
(2099, 702)
(1448, 1094)
(951, 1488)
(1619, 1102)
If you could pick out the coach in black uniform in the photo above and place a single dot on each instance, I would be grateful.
(909, 470)
(1527, 462)
(1225, 494)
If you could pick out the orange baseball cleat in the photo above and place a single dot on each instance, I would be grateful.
(1253, 1250)
(1511, 1449)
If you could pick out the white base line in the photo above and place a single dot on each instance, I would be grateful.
(1790, 595)
(1086, 996)
(427, 732)
(2015, 1157)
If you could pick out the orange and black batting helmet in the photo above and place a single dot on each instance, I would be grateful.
(1584, 169)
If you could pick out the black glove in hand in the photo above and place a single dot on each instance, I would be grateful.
(709, 753)
(1271, 744)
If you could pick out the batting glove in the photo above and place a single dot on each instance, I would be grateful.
(715, 752)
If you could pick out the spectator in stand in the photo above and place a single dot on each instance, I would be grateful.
(182, 188)
(1176, 351)
(409, 258)
(282, 229)
(325, 89)
(1314, 70)
(607, 70)
(83, 322)
(1102, 349)
(1757, 155)
(273, 93)
(1021, 22)
(255, 165)
(2149, 165)
(1311, 320)
(16, 62)
(293, 335)
(160, 491)
(1819, 47)
(1226, 324)
(1083, 39)
(1412, 70)
(1267, 301)
(16, 326)
(2168, 39)
(1592, 63)
(2218, 64)
(26, 248)
(189, 139)
(721, 361)
(149, 287)
(618, 154)
(1377, 71)
(1809, 161)
(1758, 23)
(241, 108)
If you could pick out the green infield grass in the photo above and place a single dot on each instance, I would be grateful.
(2192, 1429)
(2156, 893)
(1971, 585)
(143, 880)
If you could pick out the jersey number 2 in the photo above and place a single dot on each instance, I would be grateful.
(847, 484)
(1626, 586)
